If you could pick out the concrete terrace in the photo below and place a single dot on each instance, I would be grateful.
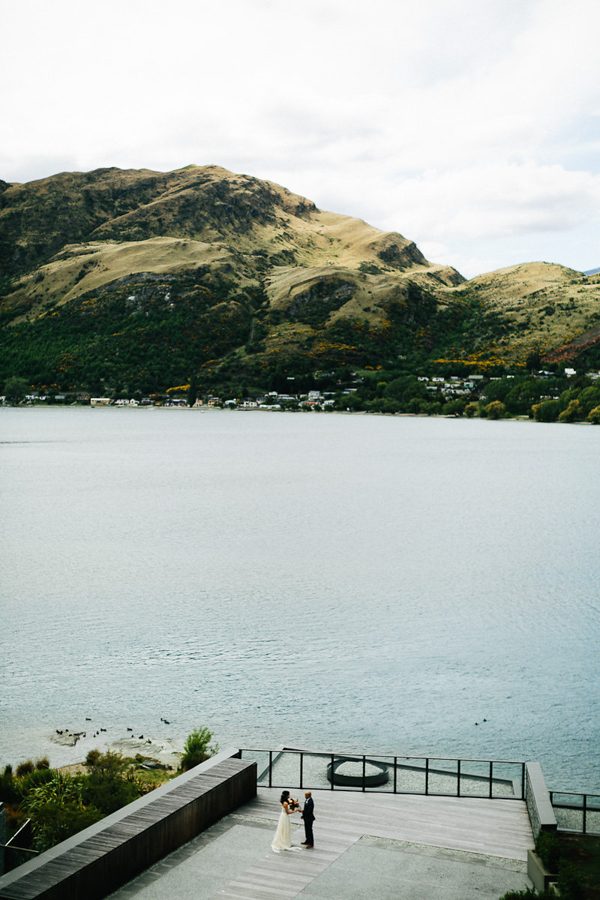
(367, 845)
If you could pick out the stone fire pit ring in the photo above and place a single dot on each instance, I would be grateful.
(373, 779)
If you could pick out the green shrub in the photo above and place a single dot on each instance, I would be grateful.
(546, 411)
(405, 388)
(495, 410)
(42, 763)
(547, 847)
(110, 783)
(572, 412)
(430, 409)
(196, 748)
(25, 768)
(57, 811)
(8, 791)
(454, 408)
(92, 757)
(111, 762)
(594, 415)
(589, 398)
(570, 884)
(108, 791)
(32, 780)
(15, 389)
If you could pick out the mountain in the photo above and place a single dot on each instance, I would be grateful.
(592, 271)
(134, 279)
(534, 306)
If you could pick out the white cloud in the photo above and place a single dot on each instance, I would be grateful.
(499, 200)
(448, 120)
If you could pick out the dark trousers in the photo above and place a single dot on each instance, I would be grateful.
(308, 831)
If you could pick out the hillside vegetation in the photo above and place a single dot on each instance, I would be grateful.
(136, 280)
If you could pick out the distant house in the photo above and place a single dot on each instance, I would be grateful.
(570, 372)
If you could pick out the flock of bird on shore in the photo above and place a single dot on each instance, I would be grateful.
(77, 735)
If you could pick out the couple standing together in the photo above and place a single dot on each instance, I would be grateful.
(283, 837)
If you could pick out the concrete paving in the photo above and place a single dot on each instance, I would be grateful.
(201, 868)
(375, 868)
(475, 851)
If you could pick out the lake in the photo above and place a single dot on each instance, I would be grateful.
(336, 582)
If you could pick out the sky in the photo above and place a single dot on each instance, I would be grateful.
(469, 126)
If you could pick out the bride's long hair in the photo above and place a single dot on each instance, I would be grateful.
(284, 796)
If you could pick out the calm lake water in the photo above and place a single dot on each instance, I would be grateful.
(335, 582)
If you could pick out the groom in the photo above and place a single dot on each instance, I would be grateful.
(309, 817)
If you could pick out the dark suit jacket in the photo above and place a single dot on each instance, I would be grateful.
(307, 811)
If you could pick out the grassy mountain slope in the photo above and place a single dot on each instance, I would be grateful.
(537, 305)
(146, 279)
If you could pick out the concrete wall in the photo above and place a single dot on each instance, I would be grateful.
(101, 858)
(537, 797)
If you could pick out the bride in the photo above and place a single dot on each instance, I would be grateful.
(283, 838)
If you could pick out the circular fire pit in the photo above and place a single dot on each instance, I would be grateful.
(376, 772)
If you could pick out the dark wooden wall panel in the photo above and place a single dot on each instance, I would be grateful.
(137, 836)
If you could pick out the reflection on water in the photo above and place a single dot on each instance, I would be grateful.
(334, 582)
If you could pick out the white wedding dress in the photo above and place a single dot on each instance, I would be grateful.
(283, 835)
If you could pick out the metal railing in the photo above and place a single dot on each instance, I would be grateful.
(430, 776)
(17, 848)
(579, 813)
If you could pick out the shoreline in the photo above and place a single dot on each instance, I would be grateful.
(63, 753)
(168, 750)
(328, 412)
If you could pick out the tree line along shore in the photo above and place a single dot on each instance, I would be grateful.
(550, 395)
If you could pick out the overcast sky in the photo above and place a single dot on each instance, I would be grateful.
(470, 126)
